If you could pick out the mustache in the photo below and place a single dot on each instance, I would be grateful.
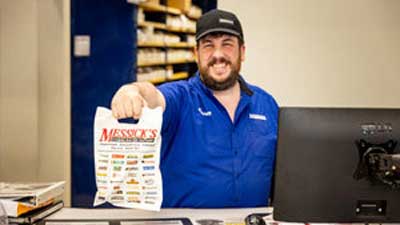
(215, 60)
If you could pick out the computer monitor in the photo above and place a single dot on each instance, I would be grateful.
(337, 165)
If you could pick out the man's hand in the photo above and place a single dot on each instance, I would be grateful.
(128, 102)
(131, 98)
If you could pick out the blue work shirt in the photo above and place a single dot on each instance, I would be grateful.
(208, 161)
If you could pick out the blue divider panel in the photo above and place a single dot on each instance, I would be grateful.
(94, 79)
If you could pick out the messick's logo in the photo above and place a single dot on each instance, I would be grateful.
(128, 135)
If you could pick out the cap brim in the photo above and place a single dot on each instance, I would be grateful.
(223, 30)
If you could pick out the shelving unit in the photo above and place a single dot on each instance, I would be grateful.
(156, 7)
(163, 44)
(166, 40)
(165, 27)
(175, 76)
(170, 62)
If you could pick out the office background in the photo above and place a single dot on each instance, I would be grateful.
(309, 53)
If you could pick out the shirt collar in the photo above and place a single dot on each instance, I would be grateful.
(244, 87)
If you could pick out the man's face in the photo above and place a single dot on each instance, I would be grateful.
(219, 57)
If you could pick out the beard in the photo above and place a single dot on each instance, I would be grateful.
(225, 84)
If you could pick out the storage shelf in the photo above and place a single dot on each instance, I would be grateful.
(166, 17)
(179, 76)
(174, 77)
(165, 44)
(163, 26)
(193, 17)
(156, 63)
(180, 61)
(157, 80)
(152, 7)
(152, 24)
(180, 29)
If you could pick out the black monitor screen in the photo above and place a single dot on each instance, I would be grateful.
(337, 165)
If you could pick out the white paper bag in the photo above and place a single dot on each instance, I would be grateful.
(127, 158)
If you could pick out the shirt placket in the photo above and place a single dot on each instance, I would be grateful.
(236, 163)
(236, 142)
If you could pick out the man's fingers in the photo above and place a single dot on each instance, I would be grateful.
(137, 107)
(121, 111)
(120, 106)
(114, 109)
(144, 103)
(128, 107)
(127, 102)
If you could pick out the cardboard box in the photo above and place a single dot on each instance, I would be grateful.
(157, 2)
(183, 5)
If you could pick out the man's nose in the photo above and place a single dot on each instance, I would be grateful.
(218, 53)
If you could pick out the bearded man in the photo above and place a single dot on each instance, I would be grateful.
(219, 133)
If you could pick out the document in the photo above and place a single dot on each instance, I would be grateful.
(22, 197)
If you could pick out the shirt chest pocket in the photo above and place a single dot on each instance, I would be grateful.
(262, 138)
(212, 134)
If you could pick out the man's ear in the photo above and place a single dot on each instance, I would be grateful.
(242, 52)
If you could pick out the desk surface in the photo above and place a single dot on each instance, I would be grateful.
(233, 215)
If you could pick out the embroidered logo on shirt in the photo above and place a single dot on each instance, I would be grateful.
(208, 113)
(257, 116)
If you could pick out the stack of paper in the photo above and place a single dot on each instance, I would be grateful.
(22, 199)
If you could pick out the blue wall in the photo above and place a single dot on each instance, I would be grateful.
(94, 79)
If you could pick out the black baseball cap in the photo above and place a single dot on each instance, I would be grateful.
(218, 20)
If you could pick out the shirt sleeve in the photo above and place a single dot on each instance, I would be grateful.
(174, 94)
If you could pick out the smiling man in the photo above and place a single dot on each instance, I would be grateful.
(219, 132)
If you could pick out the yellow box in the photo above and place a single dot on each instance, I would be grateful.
(183, 5)
(156, 2)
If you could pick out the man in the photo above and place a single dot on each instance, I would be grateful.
(219, 133)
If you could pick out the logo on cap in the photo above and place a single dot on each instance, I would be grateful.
(222, 20)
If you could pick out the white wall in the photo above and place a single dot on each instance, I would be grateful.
(35, 91)
(54, 91)
(19, 144)
(323, 53)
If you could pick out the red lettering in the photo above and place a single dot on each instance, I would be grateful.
(153, 133)
(124, 133)
(106, 136)
(143, 134)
